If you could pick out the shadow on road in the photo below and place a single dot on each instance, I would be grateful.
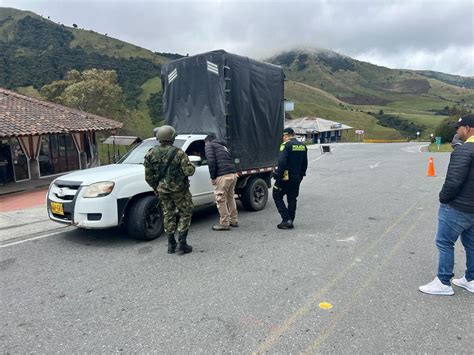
(109, 238)
(203, 217)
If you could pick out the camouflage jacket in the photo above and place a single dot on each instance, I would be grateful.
(175, 179)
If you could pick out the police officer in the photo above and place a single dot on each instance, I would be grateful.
(167, 169)
(292, 165)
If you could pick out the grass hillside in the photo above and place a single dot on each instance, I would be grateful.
(337, 87)
(89, 40)
(310, 101)
(35, 51)
(461, 81)
(386, 103)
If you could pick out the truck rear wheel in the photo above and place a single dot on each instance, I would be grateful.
(145, 219)
(255, 195)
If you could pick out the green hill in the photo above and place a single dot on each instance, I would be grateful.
(461, 81)
(35, 51)
(359, 91)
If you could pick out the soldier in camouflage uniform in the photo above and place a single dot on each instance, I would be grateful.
(166, 170)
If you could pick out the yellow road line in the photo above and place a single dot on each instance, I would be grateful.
(273, 337)
(320, 339)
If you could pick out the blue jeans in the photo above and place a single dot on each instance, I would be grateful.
(452, 224)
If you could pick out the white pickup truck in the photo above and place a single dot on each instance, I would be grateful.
(118, 195)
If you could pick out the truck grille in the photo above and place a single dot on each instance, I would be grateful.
(65, 190)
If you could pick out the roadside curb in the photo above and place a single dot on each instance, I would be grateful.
(32, 236)
(23, 190)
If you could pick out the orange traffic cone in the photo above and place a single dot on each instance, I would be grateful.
(431, 169)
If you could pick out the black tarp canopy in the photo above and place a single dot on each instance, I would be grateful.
(234, 97)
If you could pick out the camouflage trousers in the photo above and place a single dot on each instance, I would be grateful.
(180, 202)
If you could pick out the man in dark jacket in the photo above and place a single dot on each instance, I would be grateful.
(292, 165)
(224, 178)
(456, 214)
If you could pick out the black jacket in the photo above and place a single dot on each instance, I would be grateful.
(294, 158)
(219, 159)
(458, 188)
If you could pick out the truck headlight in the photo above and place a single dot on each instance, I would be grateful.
(99, 189)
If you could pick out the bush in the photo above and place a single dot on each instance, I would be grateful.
(446, 129)
(155, 107)
(405, 127)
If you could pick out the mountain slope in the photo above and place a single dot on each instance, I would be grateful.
(361, 83)
(35, 51)
(365, 90)
(461, 81)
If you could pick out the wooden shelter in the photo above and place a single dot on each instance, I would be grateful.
(40, 138)
(317, 129)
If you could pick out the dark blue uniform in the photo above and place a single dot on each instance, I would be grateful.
(292, 165)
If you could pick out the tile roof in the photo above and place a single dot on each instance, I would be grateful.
(314, 124)
(21, 115)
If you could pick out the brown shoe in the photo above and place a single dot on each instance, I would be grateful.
(235, 225)
(220, 227)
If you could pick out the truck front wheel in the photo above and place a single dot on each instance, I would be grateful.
(255, 195)
(145, 219)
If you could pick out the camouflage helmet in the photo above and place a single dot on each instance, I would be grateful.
(166, 134)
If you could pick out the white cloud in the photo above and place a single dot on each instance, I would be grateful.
(412, 34)
(454, 60)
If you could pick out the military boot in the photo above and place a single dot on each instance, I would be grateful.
(183, 247)
(171, 243)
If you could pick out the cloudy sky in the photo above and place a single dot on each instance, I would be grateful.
(413, 34)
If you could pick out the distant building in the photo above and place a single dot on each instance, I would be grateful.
(318, 129)
(39, 138)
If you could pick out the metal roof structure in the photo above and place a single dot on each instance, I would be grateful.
(308, 124)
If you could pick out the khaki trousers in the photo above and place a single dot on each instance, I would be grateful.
(224, 191)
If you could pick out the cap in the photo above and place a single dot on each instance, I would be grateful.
(466, 120)
(288, 130)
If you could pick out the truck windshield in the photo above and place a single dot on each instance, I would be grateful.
(137, 154)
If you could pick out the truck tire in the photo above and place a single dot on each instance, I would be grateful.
(255, 195)
(145, 219)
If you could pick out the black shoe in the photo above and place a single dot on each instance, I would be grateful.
(183, 247)
(292, 225)
(285, 225)
(171, 243)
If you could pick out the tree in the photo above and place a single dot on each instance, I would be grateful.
(155, 107)
(446, 129)
(94, 90)
(74, 25)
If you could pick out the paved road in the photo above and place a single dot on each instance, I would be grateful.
(363, 242)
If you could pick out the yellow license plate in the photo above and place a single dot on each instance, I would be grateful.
(57, 208)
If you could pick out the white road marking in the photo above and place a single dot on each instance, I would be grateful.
(375, 165)
(414, 148)
(31, 239)
(422, 146)
(350, 239)
(312, 161)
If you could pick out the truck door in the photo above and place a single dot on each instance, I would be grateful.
(201, 186)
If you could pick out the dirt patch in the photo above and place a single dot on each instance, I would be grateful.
(409, 86)
(364, 100)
